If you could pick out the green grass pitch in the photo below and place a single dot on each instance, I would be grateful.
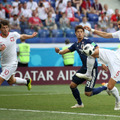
(53, 102)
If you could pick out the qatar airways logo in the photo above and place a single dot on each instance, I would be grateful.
(55, 75)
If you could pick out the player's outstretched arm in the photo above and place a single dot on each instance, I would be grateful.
(57, 50)
(100, 33)
(25, 36)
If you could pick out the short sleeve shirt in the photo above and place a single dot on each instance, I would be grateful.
(116, 34)
(9, 54)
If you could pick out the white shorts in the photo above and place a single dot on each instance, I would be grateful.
(110, 58)
(8, 71)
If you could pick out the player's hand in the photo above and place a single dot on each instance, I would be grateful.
(2, 47)
(34, 34)
(87, 28)
(104, 67)
(57, 50)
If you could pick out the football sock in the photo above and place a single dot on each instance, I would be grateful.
(90, 64)
(115, 93)
(20, 81)
(98, 90)
(76, 95)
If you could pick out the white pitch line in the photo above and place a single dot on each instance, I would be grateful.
(59, 112)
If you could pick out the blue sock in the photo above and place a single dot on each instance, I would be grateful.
(76, 95)
(98, 90)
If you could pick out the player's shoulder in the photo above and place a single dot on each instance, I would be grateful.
(87, 39)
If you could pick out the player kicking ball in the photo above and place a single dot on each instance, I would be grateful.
(112, 59)
(9, 55)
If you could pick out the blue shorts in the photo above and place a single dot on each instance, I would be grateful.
(89, 84)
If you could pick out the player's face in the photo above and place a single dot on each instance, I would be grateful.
(4, 30)
(79, 34)
(118, 24)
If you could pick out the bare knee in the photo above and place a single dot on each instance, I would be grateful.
(110, 87)
(73, 85)
(88, 94)
(10, 82)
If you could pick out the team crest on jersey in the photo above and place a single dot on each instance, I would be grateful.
(82, 45)
(12, 39)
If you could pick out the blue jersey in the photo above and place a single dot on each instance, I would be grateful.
(78, 47)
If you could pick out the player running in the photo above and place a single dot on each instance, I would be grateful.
(9, 55)
(89, 88)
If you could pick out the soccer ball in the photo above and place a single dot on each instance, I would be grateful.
(88, 49)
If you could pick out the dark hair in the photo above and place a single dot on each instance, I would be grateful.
(79, 27)
(4, 22)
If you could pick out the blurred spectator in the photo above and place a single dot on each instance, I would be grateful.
(15, 3)
(26, 12)
(14, 22)
(17, 10)
(108, 11)
(103, 21)
(70, 11)
(8, 10)
(60, 5)
(2, 12)
(35, 22)
(110, 28)
(32, 5)
(42, 12)
(51, 9)
(50, 22)
(64, 22)
(46, 4)
(115, 17)
(85, 6)
(77, 3)
(86, 23)
(5, 2)
(97, 6)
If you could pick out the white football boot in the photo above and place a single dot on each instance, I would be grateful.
(78, 106)
(117, 106)
(80, 75)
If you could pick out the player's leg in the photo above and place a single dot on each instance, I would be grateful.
(1, 80)
(89, 88)
(73, 86)
(114, 91)
(17, 80)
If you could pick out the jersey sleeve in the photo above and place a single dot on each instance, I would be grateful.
(116, 34)
(17, 35)
(72, 48)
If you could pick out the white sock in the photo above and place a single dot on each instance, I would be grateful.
(20, 81)
(90, 65)
(115, 93)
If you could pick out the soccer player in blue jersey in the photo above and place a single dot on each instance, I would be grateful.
(89, 88)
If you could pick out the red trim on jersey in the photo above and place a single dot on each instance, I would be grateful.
(2, 36)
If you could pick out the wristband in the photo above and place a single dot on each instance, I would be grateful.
(92, 30)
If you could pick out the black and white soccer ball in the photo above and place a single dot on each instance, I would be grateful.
(88, 49)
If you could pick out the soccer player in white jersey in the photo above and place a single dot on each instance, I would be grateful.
(112, 59)
(111, 82)
(9, 55)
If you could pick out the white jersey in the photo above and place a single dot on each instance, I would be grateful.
(116, 34)
(9, 54)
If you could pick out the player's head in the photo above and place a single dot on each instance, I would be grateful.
(4, 27)
(79, 31)
(118, 22)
